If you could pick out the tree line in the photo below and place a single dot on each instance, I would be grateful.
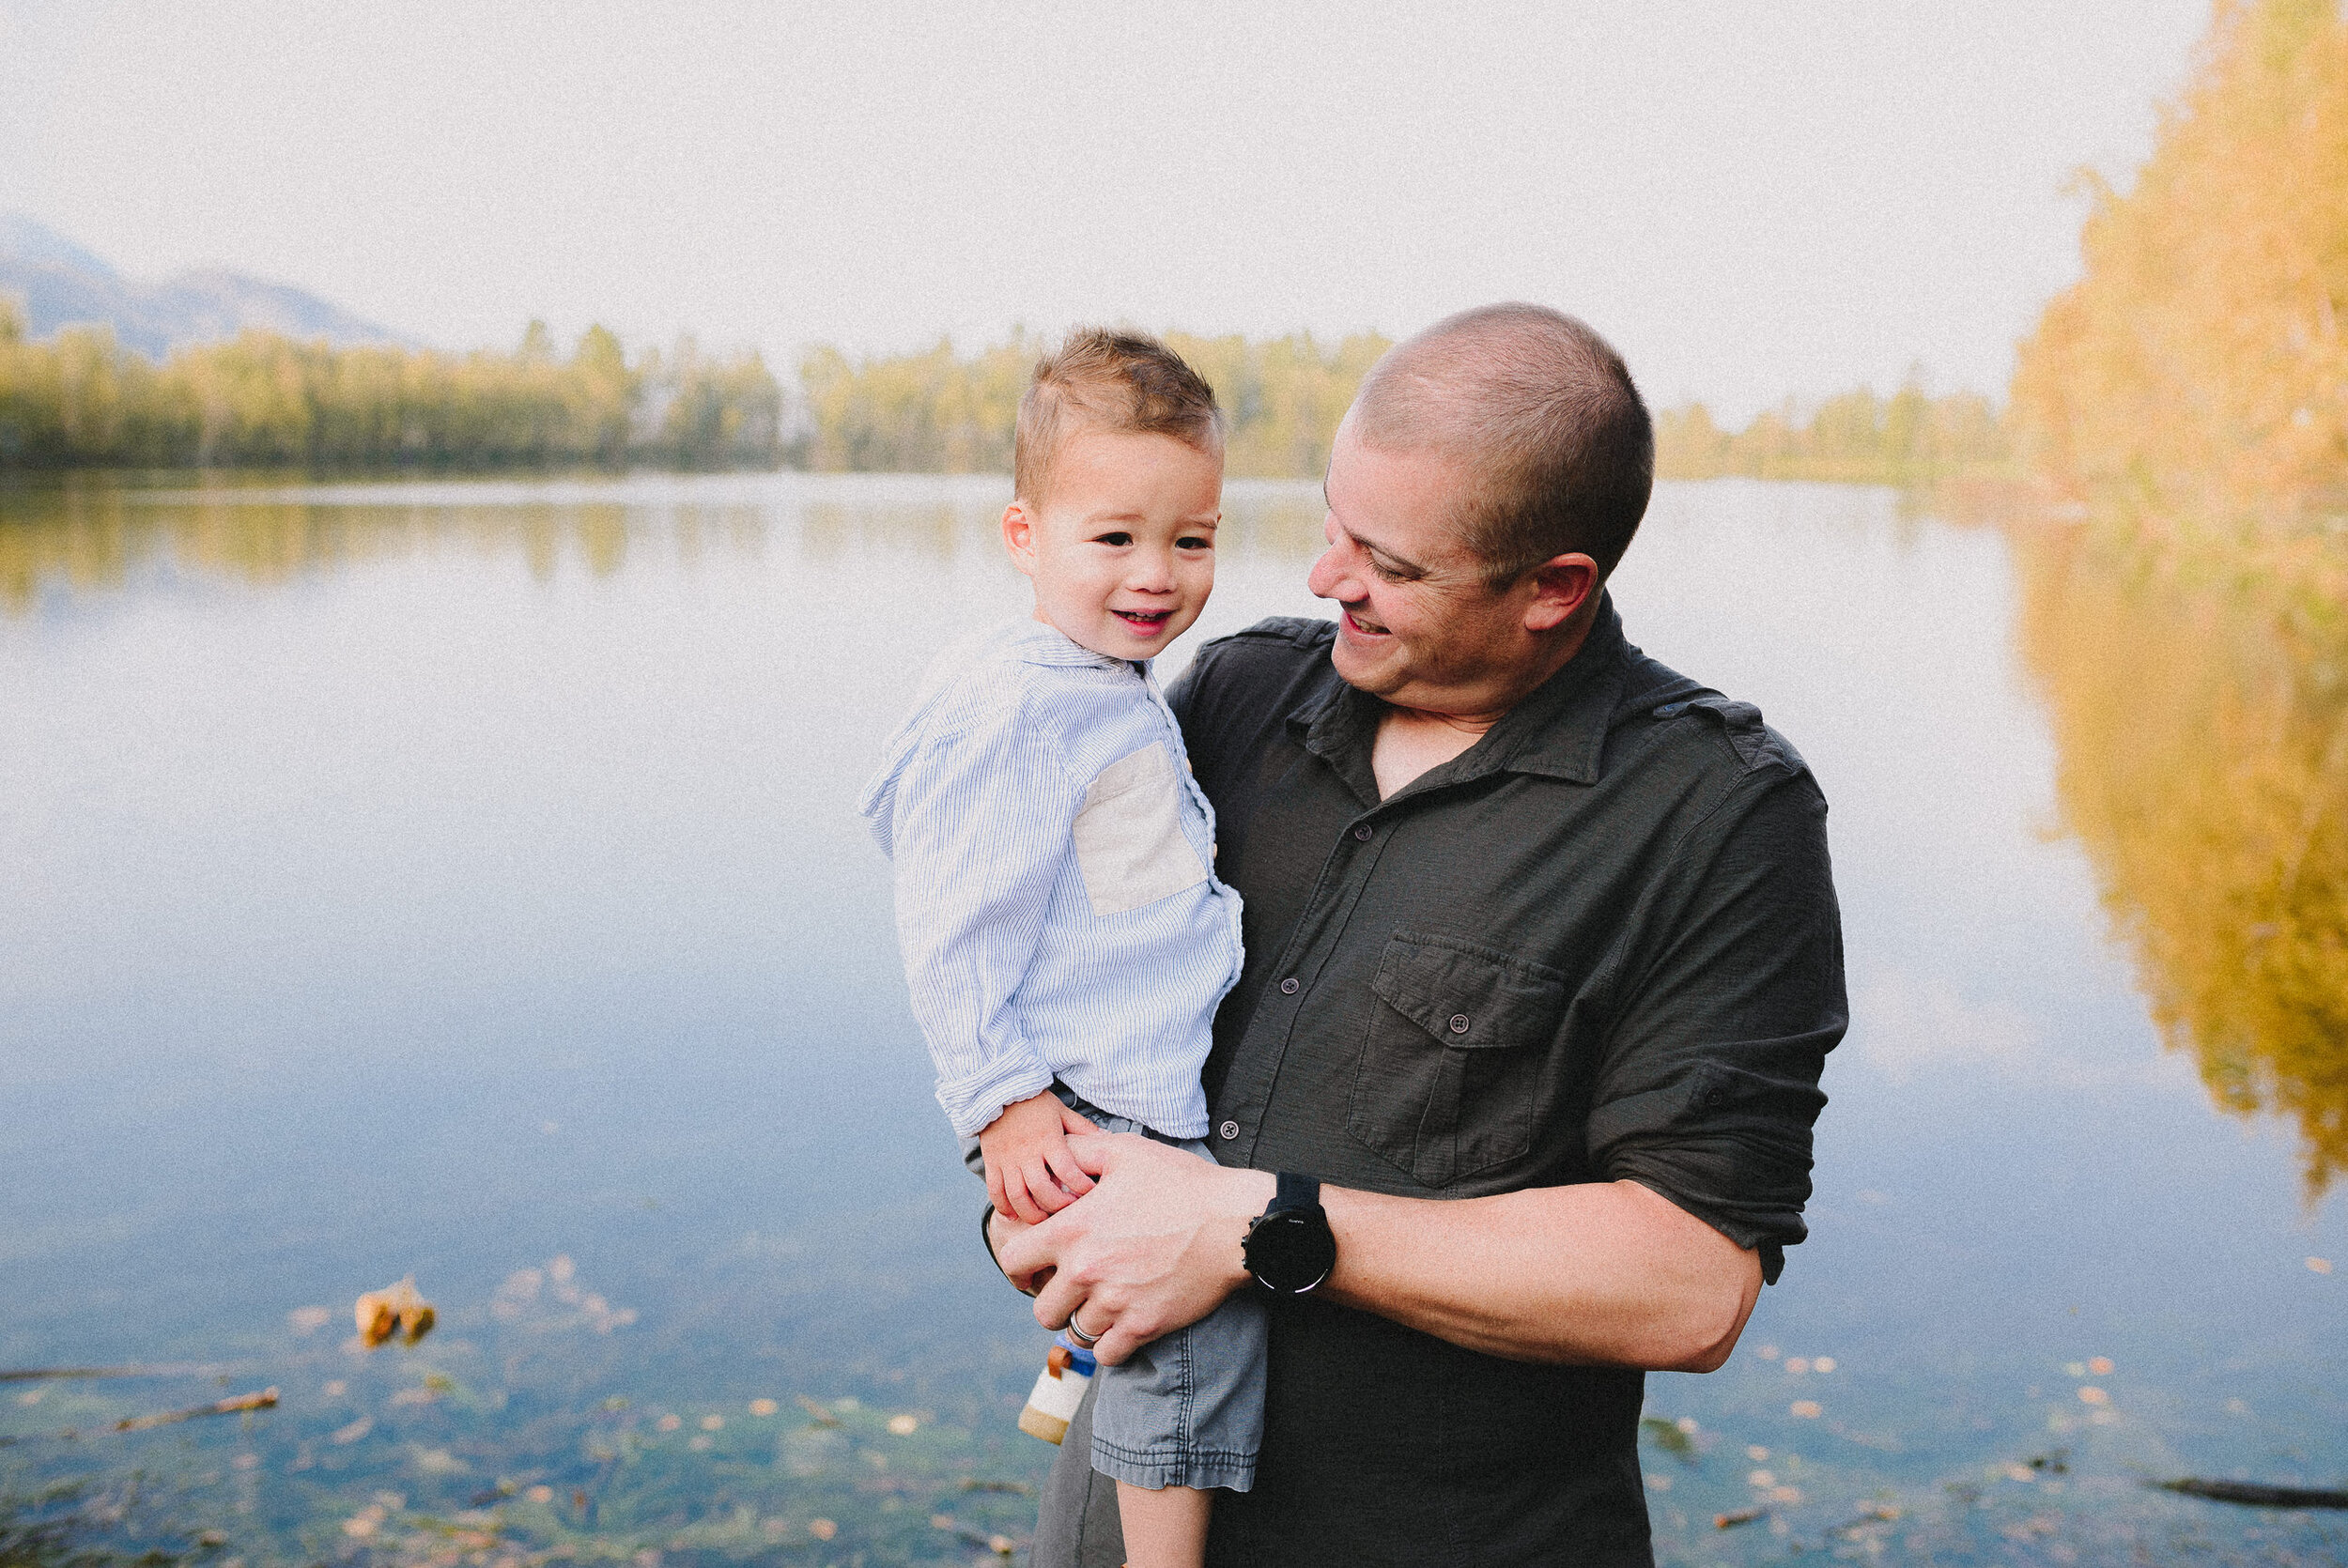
(1908, 438)
(939, 412)
(80, 400)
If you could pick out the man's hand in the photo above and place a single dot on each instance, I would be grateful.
(1155, 1247)
(1032, 1172)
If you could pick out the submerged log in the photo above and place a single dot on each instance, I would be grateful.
(266, 1399)
(2251, 1494)
(38, 1373)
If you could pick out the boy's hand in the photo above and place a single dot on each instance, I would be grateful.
(1031, 1174)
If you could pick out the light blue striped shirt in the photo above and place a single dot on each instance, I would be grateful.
(1055, 898)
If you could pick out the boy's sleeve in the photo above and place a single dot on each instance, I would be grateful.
(981, 829)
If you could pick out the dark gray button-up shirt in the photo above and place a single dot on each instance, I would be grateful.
(1601, 944)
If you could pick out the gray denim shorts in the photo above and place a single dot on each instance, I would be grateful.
(1186, 1409)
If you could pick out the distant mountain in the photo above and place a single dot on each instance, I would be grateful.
(26, 239)
(62, 285)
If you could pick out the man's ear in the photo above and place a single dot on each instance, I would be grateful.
(1019, 537)
(1562, 586)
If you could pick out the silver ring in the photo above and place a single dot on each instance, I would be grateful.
(1076, 1331)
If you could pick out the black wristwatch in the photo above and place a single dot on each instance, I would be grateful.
(1289, 1247)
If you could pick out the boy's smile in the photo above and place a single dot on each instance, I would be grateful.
(1121, 550)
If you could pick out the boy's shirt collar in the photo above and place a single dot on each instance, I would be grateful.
(1040, 642)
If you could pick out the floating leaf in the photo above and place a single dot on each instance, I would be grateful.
(394, 1310)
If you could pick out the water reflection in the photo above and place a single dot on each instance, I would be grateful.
(461, 879)
(91, 533)
(2203, 724)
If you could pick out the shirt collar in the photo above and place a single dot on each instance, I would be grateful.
(1558, 730)
(1039, 642)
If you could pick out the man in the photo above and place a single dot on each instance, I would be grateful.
(1543, 963)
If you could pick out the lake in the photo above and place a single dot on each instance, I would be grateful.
(460, 879)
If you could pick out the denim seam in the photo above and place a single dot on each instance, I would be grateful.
(1160, 1456)
(1188, 1428)
(1208, 1471)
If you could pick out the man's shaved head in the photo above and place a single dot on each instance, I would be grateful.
(1542, 411)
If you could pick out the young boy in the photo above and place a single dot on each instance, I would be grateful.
(1065, 938)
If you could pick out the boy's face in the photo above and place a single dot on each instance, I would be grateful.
(1121, 550)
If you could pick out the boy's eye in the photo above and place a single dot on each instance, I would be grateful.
(1194, 542)
(1112, 538)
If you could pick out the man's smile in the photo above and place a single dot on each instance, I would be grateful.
(1354, 621)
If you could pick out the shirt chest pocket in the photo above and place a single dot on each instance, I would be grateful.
(1129, 834)
(1452, 1060)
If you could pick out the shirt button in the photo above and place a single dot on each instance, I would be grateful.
(1363, 833)
(1230, 1130)
(1287, 987)
(1459, 1023)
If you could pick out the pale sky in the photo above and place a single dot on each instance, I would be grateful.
(1751, 199)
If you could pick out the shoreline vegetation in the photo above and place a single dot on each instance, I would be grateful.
(80, 400)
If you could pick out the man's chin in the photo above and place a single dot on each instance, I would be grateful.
(1373, 670)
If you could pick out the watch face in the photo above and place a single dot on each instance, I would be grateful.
(1291, 1251)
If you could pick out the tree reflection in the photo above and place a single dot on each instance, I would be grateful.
(91, 533)
(82, 533)
(2202, 713)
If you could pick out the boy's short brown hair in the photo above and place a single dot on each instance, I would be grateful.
(1122, 381)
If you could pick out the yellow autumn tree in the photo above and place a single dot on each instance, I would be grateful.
(2198, 371)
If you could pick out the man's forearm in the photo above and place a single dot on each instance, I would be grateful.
(1604, 1272)
(1607, 1273)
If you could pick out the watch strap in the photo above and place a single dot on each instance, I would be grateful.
(1293, 1192)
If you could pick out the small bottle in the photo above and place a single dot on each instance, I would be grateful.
(1059, 1390)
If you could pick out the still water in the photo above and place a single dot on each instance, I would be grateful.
(460, 879)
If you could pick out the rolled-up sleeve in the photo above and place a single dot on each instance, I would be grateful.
(1727, 1009)
(978, 839)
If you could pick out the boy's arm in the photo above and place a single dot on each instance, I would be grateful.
(980, 831)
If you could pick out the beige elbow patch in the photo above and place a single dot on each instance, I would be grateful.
(1129, 835)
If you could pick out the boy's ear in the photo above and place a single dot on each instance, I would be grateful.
(1019, 537)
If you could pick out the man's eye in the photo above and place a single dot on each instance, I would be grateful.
(1113, 539)
(1385, 571)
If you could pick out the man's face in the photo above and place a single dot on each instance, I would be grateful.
(1122, 548)
(1419, 624)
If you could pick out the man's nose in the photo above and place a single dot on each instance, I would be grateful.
(1328, 579)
